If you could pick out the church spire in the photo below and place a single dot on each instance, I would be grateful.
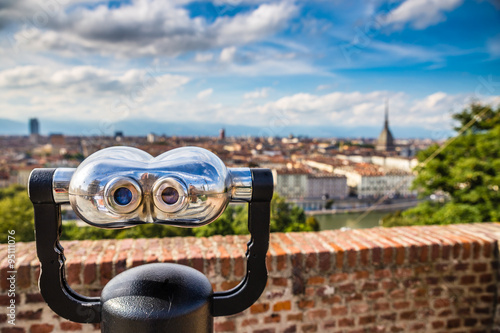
(385, 140)
(386, 123)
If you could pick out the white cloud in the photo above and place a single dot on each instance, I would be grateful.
(205, 93)
(259, 93)
(145, 28)
(494, 46)
(203, 57)
(421, 13)
(83, 93)
(227, 54)
(356, 109)
(86, 79)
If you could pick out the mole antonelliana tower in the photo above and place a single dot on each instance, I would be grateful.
(385, 141)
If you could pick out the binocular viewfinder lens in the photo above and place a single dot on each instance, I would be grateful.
(123, 196)
(170, 195)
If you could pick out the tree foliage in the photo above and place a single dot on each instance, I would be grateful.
(16, 213)
(467, 171)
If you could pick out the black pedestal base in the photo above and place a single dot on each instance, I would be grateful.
(157, 298)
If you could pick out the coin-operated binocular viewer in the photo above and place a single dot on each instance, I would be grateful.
(122, 187)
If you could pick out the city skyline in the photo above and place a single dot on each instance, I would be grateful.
(278, 67)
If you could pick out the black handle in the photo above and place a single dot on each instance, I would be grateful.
(249, 290)
(53, 286)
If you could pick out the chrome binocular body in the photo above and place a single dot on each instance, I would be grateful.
(121, 187)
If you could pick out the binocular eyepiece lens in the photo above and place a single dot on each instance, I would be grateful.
(123, 196)
(170, 195)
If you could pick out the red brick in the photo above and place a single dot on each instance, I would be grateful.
(382, 273)
(89, 270)
(324, 261)
(281, 282)
(13, 330)
(461, 266)
(259, 308)
(377, 255)
(479, 267)
(347, 288)
(41, 328)
(453, 323)
(239, 267)
(408, 315)
(309, 328)
(468, 279)
(354, 297)
(340, 277)
(332, 299)
(330, 324)
(376, 294)
(30, 314)
(401, 305)
(381, 306)
(419, 292)
(370, 286)
(360, 308)
(282, 306)
(362, 275)
(389, 316)
(73, 272)
(339, 311)
(486, 278)
(316, 280)
(273, 318)
(70, 326)
(346, 322)
(225, 326)
(442, 303)
(316, 314)
(417, 327)
(398, 293)
(267, 330)
(249, 322)
(306, 304)
(437, 324)
(400, 255)
(34, 298)
(294, 317)
(227, 285)
(6, 300)
(367, 320)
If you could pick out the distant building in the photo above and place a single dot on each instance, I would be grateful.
(385, 141)
(291, 183)
(222, 134)
(57, 140)
(34, 127)
(118, 136)
(372, 181)
(327, 186)
(152, 138)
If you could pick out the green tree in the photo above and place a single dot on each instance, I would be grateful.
(285, 217)
(16, 213)
(467, 170)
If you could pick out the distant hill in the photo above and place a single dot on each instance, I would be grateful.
(139, 127)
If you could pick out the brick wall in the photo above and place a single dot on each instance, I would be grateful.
(415, 279)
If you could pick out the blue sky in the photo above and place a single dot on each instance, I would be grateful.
(272, 64)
